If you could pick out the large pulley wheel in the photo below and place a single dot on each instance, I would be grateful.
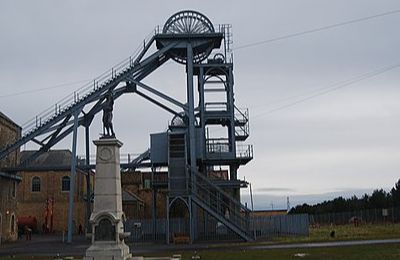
(189, 22)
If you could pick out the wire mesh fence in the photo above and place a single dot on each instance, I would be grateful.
(370, 216)
(285, 225)
(266, 227)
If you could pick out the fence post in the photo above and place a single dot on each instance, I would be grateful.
(392, 215)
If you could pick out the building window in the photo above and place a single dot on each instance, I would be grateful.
(35, 184)
(147, 184)
(65, 183)
(14, 189)
(12, 228)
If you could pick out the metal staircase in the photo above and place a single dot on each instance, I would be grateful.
(177, 162)
(242, 129)
(222, 206)
(55, 120)
(139, 159)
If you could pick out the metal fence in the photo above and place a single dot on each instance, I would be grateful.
(285, 225)
(371, 216)
(144, 230)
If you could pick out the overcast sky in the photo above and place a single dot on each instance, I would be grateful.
(346, 141)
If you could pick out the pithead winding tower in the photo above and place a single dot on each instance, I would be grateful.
(205, 135)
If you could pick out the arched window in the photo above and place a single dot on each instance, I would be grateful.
(65, 183)
(35, 184)
(12, 228)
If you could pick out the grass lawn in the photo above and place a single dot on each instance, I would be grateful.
(345, 232)
(320, 234)
(388, 251)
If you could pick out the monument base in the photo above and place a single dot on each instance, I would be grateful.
(107, 217)
(107, 251)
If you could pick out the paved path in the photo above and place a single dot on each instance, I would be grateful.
(45, 245)
(326, 244)
(51, 245)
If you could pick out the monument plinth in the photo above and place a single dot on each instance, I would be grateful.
(107, 216)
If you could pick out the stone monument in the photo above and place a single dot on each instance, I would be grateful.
(107, 216)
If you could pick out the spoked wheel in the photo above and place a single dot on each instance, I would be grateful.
(189, 22)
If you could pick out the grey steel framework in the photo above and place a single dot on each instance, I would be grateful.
(190, 149)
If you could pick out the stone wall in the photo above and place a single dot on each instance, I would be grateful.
(9, 133)
(8, 210)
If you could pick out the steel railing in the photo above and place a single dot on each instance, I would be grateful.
(125, 158)
(222, 203)
(222, 146)
(92, 86)
(218, 145)
(242, 115)
(83, 92)
(244, 151)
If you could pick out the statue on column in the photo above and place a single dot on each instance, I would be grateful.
(107, 116)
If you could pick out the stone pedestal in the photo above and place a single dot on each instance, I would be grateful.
(107, 216)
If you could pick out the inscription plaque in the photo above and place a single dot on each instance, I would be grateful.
(104, 231)
(106, 154)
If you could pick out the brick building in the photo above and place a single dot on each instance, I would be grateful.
(9, 132)
(44, 191)
(137, 184)
(132, 205)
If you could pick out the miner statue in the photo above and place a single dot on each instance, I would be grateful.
(107, 116)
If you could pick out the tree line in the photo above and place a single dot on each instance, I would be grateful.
(378, 199)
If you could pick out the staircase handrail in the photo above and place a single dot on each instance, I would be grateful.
(245, 115)
(234, 218)
(244, 232)
(237, 203)
(87, 89)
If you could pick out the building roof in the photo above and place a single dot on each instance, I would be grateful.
(10, 176)
(52, 158)
(2, 115)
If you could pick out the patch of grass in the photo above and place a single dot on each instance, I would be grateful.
(385, 251)
(381, 252)
(346, 232)
(319, 234)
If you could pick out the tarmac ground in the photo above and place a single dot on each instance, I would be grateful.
(52, 245)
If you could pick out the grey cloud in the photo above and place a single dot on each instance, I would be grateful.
(274, 189)
(311, 147)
